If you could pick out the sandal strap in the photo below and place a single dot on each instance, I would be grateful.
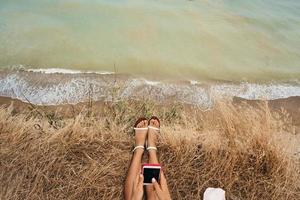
(154, 128)
(141, 129)
(138, 147)
(151, 148)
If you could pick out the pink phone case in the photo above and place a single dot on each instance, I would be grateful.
(150, 165)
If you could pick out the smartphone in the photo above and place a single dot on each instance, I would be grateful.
(151, 171)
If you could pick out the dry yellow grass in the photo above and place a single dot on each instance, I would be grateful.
(47, 156)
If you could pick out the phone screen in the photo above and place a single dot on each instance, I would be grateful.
(150, 173)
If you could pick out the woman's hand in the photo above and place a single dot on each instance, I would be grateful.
(138, 190)
(161, 189)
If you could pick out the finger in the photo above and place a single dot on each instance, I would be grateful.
(163, 181)
(157, 188)
(141, 180)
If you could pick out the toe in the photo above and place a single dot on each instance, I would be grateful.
(154, 123)
(142, 124)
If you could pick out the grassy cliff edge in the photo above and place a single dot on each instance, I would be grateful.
(249, 151)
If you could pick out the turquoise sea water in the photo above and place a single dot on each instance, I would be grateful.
(227, 40)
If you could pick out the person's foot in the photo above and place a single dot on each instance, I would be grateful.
(152, 133)
(140, 135)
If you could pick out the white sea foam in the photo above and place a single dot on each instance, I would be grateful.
(254, 91)
(152, 82)
(45, 89)
(66, 71)
(193, 82)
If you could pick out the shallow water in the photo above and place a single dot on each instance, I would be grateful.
(225, 40)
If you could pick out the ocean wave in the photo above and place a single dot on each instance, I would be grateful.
(61, 88)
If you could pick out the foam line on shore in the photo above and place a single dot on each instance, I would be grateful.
(53, 89)
(67, 71)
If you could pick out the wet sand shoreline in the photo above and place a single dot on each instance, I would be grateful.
(290, 105)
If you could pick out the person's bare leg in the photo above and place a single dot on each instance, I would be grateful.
(135, 166)
(152, 139)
